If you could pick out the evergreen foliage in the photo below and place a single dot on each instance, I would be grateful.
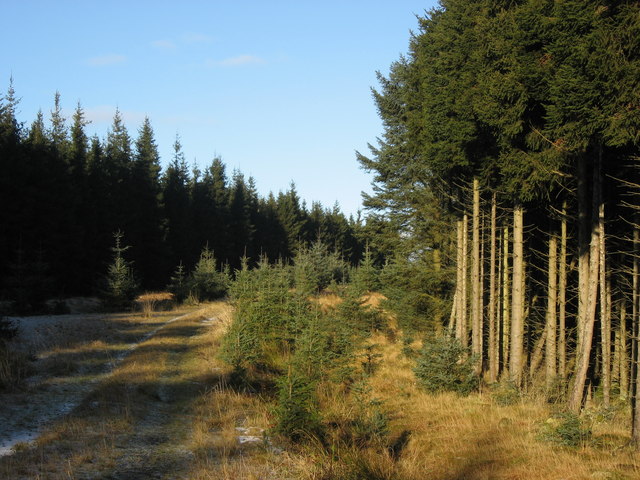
(206, 282)
(120, 284)
(297, 412)
(282, 332)
(366, 276)
(178, 284)
(315, 267)
(443, 365)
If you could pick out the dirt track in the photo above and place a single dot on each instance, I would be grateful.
(91, 375)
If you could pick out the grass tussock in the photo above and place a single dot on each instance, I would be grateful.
(152, 301)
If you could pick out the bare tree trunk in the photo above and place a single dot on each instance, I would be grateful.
(493, 350)
(476, 294)
(536, 354)
(635, 376)
(506, 305)
(454, 314)
(605, 319)
(623, 358)
(464, 334)
(457, 298)
(552, 300)
(588, 322)
(517, 298)
(583, 248)
(562, 296)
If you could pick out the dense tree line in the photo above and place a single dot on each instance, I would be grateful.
(510, 161)
(64, 196)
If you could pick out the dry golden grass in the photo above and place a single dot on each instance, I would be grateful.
(451, 437)
(222, 413)
(328, 301)
(149, 302)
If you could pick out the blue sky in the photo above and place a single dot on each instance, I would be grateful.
(278, 89)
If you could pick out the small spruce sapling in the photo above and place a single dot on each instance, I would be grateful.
(121, 285)
(444, 365)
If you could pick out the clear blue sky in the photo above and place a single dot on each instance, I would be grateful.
(278, 89)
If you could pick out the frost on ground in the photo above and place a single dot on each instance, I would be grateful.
(71, 354)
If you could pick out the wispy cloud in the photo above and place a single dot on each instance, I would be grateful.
(106, 60)
(191, 37)
(166, 45)
(239, 61)
(103, 114)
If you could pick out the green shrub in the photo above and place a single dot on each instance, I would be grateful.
(178, 284)
(268, 318)
(206, 282)
(443, 365)
(120, 284)
(315, 268)
(565, 428)
(366, 276)
(505, 393)
(297, 414)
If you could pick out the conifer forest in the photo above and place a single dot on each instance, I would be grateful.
(480, 319)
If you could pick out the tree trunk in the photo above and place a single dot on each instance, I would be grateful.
(476, 290)
(583, 248)
(589, 308)
(517, 298)
(493, 350)
(536, 354)
(464, 335)
(605, 327)
(457, 298)
(454, 314)
(506, 305)
(635, 375)
(562, 296)
(623, 357)
(552, 299)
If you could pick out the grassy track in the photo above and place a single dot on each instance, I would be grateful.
(139, 421)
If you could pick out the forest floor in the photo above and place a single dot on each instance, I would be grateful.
(128, 397)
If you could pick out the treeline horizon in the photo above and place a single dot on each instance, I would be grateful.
(65, 195)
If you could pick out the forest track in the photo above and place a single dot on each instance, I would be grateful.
(129, 421)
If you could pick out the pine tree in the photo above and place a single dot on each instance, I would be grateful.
(176, 208)
(120, 284)
(147, 217)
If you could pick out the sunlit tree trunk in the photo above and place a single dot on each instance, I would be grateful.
(536, 354)
(476, 290)
(457, 298)
(551, 318)
(506, 304)
(589, 308)
(562, 296)
(605, 318)
(493, 331)
(583, 248)
(464, 335)
(635, 371)
(517, 298)
(623, 360)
